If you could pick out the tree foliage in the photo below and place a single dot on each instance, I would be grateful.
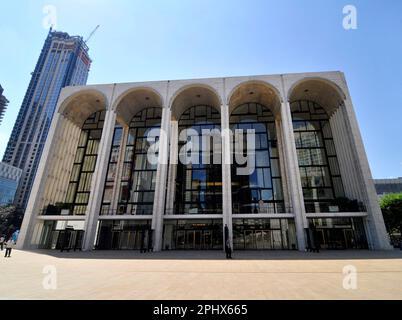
(391, 206)
(10, 220)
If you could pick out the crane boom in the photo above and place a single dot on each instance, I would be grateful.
(92, 33)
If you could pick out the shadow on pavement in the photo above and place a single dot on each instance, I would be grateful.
(220, 255)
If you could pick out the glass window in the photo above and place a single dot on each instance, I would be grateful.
(138, 177)
(319, 168)
(84, 163)
(199, 186)
(258, 190)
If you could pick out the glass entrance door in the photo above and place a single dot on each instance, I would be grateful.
(263, 239)
(195, 239)
(192, 234)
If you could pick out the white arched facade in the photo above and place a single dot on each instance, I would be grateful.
(288, 229)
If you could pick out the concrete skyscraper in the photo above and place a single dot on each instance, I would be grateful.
(64, 61)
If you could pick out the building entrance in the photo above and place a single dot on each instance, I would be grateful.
(124, 235)
(194, 239)
(264, 234)
(338, 233)
(263, 239)
(62, 235)
(193, 235)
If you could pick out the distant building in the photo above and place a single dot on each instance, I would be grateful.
(64, 61)
(9, 177)
(3, 103)
(386, 186)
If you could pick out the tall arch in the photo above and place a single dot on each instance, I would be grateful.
(79, 106)
(132, 101)
(255, 92)
(322, 91)
(193, 95)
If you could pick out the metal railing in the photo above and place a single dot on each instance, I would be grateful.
(262, 208)
(333, 206)
(120, 212)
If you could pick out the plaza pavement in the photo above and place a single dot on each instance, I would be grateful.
(200, 275)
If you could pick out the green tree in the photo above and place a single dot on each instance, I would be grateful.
(391, 206)
(10, 219)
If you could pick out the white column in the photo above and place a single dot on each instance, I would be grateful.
(376, 227)
(98, 180)
(173, 161)
(226, 173)
(161, 177)
(282, 164)
(294, 181)
(38, 188)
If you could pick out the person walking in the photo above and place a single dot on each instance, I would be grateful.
(2, 239)
(9, 247)
(228, 250)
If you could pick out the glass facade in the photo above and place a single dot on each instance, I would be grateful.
(339, 233)
(79, 187)
(124, 235)
(7, 191)
(59, 235)
(192, 234)
(264, 234)
(318, 163)
(137, 187)
(199, 186)
(9, 177)
(260, 192)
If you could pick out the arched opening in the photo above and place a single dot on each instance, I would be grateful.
(194, 95)
(321, 91)
(255, 92)
(82, 105)
(134, 100)
(256, 106)
(314, 103)
(197, 183)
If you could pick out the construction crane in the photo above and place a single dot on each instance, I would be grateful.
(92, 33)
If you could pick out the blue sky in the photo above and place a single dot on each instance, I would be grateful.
(174, 39)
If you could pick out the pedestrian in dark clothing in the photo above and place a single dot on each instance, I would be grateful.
(9, 247)
(2, 239)
(228, 250)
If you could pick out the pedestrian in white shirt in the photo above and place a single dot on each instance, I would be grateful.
(9, 247)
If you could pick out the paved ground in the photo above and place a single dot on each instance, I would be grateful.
(200, 275)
